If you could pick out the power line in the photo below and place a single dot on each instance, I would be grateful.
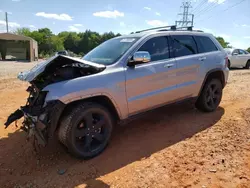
(199, 5)
(207, 9)
(234, 5)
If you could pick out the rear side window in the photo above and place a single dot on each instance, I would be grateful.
(184, 45)
(243, 52)
(205, 44)
(157, 48)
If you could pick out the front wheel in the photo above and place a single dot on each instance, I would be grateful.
(247, 65)
(86, 130)
(210, 96)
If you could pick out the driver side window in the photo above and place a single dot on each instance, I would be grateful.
(236, 51)
(157, 48)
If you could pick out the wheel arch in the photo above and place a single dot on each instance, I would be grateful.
(214, 73)
(247, 63)
(100, 99)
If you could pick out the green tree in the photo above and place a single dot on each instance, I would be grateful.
(57, 43)
(23, 31)
(223, 43)
(248, 49)
(71, 41)
(78, 43)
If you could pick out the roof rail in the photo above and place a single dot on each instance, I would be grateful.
(188, 28)
(172, 27)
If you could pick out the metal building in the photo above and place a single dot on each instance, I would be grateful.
(17, 47)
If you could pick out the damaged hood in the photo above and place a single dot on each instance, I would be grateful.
(40, 67)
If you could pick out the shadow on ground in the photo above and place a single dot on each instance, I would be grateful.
(157, 130)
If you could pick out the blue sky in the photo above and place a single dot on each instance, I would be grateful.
(130, 15)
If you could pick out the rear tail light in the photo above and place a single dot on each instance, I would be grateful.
(226, 62)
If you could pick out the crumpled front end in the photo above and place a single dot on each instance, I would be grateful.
(40, 116)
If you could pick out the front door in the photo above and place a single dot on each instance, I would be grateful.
(243, 58)
(235, 59)
(151, 84)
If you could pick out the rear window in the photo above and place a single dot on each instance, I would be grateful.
(205, 44)
(184, 45)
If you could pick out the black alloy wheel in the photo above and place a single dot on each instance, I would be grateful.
(91, 132)
(210, 96)
(86, 130)
(213, 95)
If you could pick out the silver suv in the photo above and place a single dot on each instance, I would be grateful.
(83, 99)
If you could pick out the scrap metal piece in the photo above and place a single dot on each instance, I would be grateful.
(13, 117)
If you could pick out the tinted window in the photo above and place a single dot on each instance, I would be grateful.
(243, 52)
(236, 51)
(157, 47)
(184, 45)
(205, 44)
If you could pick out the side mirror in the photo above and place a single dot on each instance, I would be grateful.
(139, 58)
(235, 54)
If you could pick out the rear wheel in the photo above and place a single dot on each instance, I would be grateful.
(210, 96)
(247, 65)
(229, 64)
(86, 130)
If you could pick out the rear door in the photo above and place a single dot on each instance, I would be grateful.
(189, 63)
(151, 84)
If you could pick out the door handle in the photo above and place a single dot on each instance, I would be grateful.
(202, 58)
(168, 65)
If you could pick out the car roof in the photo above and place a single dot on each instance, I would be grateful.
(169, 32)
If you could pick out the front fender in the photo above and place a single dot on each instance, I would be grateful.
(86, 87)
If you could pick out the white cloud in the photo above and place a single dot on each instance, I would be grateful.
(77, 25)
(225, 36)
(235, 24)
(246, 37)
(32, 26)
(157, 14)
(64, 17)
(122, 24)
(156, 23)
(11, 24)
(147, 8)
(16, 0)
(109, 14)
(73, 28)
(217, 1)
(242, 44)
(245, 25)
(53, 23)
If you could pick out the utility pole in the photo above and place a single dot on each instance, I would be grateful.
(186, 5)
(7, 24)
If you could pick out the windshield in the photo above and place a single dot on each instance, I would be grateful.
(110, 51)
(228, 51)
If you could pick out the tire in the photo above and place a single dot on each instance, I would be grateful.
(86, 130)
(210, 96)
(229, 64)
(247, 65)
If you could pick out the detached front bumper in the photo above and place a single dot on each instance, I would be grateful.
(39, 123)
